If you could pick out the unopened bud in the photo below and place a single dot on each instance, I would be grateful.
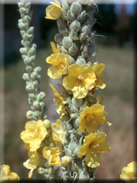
(46, 123)
(66, 160)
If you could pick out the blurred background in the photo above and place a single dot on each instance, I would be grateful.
(115, 44)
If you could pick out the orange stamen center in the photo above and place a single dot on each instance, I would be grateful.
(35, 133)
(96, 78)
(56, 99)
(89, 117)
(60, 66)
(80, 77)
(54, 158)
(93, 146)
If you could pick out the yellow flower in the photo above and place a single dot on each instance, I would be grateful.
(53, 11)
(97, 69)
(80, 79)
(94, 144)
(52, 155)
(58, 134)
(91, 117)
(60, 102)
(7, 175)
(32, 163)
(34, 134)
(59, 62)
(129, 173)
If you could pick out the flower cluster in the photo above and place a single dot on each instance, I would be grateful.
(80, 79)
(37, 138)
(7, 175)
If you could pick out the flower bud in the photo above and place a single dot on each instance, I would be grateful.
(80, 60)
(27, 5)
(42, 105)
(32, 96)
(70, 16)
(27, 61)
(77, 102)
(23, 51)
(58, 38)
(22, 32)
(47, 123)
(23, 10)
(36, 105)
(35, 84)
(26, 18)
(81, 16)
(43, 170)
(73, 50)
(33, 58)
(25, 37)
(30, 115)
(75, 8)
(67, 42)
(92, 57)
(65, 6)
(76, 122)
(29, 69)
(34, 75)
(62, 26)
(45, 116)
(66, 160)
(32, 51)
(37, 69)
(27, 44)
(23, 42)
(73, 109)
(74, 115)
(26, 77)
(75, 25)
(71, 60)
(85, 52)
(86, 29)
(20, 4)
(63, 50)
(82, 37)
(41, 96)
(30, 30)
(29, 88)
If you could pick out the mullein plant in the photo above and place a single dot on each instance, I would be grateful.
(81, 109)
(73, 142)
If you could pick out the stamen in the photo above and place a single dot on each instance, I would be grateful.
(80, 77)
(56, 99)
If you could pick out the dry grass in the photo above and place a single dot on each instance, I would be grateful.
(118, 101)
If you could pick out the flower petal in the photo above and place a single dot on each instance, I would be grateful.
(54, 73)
(98, 68)
(30, 125)
(93, 159)
(79, 91)
(55, 50)
(69, 82)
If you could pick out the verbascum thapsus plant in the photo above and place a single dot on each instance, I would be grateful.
(73, 142)
(81, 109)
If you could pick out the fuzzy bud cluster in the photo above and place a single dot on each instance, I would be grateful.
(28, 53)
(75, 36)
